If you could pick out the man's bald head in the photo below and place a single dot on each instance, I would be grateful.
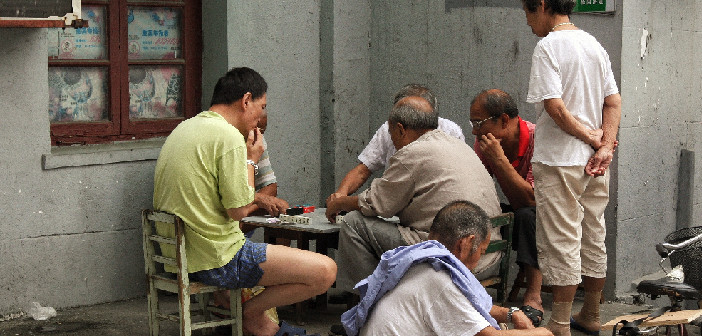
(414, 113)
(496, 102)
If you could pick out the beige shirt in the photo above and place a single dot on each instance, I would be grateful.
(422, 178)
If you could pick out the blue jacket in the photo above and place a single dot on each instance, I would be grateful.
(393, 266)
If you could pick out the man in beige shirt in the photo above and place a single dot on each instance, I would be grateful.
(429, 170)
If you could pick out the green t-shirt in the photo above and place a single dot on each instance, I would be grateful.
(200, 173)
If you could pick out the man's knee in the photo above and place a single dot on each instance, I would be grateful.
(324, 275)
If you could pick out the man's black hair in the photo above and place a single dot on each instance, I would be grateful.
(236, 83)
(563, 7)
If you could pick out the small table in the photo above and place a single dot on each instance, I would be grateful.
(319, 229)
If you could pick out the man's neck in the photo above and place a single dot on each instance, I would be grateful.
(510, 145)
(229, 113)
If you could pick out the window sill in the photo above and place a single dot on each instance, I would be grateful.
(32, 23)
(89, 155)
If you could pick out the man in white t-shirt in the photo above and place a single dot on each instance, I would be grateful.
(377, 153)
(428, 288)
(579, 107)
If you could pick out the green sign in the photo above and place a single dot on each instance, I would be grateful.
(593, 6)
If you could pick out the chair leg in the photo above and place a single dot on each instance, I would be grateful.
(202, 300)
(184, 310)
(152, 301)
(235, 308)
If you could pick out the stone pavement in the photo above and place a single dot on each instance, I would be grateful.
(129, 318)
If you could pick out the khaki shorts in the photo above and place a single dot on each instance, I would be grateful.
(570, 225)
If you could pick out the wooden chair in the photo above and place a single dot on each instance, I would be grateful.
(180, 284)
(499, 282)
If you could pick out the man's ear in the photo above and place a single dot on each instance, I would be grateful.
(464, 247)
(401, 128)
(505, 120)
(246, 99)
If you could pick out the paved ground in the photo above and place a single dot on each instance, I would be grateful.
(129, 318)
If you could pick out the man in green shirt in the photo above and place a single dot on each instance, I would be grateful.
(205, 175)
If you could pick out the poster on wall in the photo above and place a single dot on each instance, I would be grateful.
(154, 33)
(594, 6)
(80, 43)
(77, 94)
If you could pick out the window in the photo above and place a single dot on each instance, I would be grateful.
(133, 73)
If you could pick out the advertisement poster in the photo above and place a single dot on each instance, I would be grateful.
(154, 93)
(81, 43)
(77, 94)
(154, 33)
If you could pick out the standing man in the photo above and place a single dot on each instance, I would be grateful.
(505, 144)
(205, 174)
(429, 170)
(377, 153)
(579, 108)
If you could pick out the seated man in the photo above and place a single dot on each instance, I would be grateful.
(205, 174)
(428, 288)
(505, 144)
(429, 170)
(377, 153)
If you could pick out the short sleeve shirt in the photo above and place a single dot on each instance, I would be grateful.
(424, 302)
(573, 66)
(200, 173)
(380, 149)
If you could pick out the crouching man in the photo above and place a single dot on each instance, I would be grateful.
(428, 288)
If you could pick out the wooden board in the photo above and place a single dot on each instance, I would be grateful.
(669, 318)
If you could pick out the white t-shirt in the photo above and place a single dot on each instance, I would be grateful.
(424, 302)
(573, 66)
(377, 153)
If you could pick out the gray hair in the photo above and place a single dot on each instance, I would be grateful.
(496, 102)
(417, 90)
(412, 115)
(460, 219)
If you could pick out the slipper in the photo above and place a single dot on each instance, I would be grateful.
(289, 330)
(578, 327)
(535, 315)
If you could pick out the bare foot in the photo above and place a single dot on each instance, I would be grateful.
(259, 324)
(587, 323)
(533, 299)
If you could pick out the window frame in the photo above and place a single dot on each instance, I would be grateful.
(119, 126)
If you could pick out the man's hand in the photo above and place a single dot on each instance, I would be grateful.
(521, 321)
(333, 197)
(332, 205)
(491, 148)
(254, 145)
(599, 162)
(594, 138)
(342, 203)
(273, 205)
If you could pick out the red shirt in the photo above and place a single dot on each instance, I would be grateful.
(526, 150)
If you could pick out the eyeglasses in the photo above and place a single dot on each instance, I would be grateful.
(477, 124)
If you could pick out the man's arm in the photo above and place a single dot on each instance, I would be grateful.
(353, 180)
(490, 331)
(518, 191)
(519, 319)
(611, 117)
(273, 205)
(342, 203)
(557, 110)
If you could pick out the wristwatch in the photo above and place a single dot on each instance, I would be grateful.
(510, 312)
(254, 165)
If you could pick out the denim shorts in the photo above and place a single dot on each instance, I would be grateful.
(243, 271)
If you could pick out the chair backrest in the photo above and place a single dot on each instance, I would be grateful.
(504, 220)
(166, 230)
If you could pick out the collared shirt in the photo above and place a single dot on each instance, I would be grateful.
(377, 153)
(393, 266)
(522, 164)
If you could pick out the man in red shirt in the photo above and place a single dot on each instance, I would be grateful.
(505, 144)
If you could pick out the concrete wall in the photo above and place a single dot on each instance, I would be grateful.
(68, 236)
(661, 116)
(280, 40)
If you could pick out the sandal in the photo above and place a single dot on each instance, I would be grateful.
(289, 330)
(535, 315)
(578, 327)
